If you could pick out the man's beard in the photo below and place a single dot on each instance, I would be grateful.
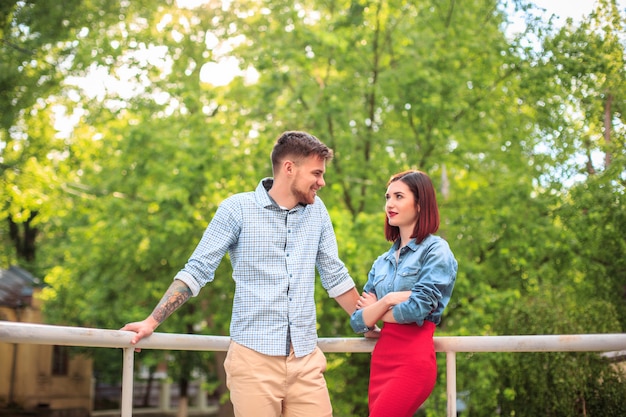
(303, 197)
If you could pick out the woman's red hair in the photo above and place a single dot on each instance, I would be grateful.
(424, 192)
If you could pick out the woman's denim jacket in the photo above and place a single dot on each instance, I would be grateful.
(428, 269)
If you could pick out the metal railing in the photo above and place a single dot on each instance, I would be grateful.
(11, 332)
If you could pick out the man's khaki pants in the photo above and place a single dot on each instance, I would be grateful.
(274, 386)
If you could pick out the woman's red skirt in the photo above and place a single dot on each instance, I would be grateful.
(403, 369)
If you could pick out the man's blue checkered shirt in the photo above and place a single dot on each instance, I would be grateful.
(274, 253)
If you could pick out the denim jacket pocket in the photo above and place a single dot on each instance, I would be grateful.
(408, 277)
(378, 279)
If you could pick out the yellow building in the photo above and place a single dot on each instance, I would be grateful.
(39, 377)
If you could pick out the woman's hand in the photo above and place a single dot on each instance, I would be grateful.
(396, 297)
(366, 299)
(375, 309)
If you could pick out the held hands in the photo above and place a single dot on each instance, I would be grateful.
(142, 329)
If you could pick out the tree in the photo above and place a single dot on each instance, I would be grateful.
(575, 380)
(443, 87)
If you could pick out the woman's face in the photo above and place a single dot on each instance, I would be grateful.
(400, 206)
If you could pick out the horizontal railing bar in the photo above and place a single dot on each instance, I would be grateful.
(91, 337)
(599, 342)
(12, 332)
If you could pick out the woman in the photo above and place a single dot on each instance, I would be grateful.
(407, 288)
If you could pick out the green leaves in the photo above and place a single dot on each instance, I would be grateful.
(523, 139)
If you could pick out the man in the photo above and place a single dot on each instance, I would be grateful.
(276, 236)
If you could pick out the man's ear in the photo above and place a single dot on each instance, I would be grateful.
(288, 166)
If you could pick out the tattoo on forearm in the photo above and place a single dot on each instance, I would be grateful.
(177, 294)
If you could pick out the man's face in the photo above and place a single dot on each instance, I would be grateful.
(308, 179)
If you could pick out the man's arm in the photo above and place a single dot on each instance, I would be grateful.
(175, 296)
(348, 300)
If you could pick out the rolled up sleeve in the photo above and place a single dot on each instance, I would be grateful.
(357, 323)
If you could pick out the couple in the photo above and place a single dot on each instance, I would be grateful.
(276, 237)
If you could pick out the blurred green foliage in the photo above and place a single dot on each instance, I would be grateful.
(117, 143)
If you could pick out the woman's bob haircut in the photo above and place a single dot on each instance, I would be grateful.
(425, 201)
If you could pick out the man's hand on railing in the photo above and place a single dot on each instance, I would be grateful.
(142, 329)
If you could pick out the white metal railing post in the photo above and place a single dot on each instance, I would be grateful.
(127, 382)
(451, 382)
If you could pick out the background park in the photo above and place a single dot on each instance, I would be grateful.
(123, 124)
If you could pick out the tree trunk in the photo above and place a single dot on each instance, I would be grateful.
(183, 406)
(23, 236)
(183, 403)
(146, 397)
